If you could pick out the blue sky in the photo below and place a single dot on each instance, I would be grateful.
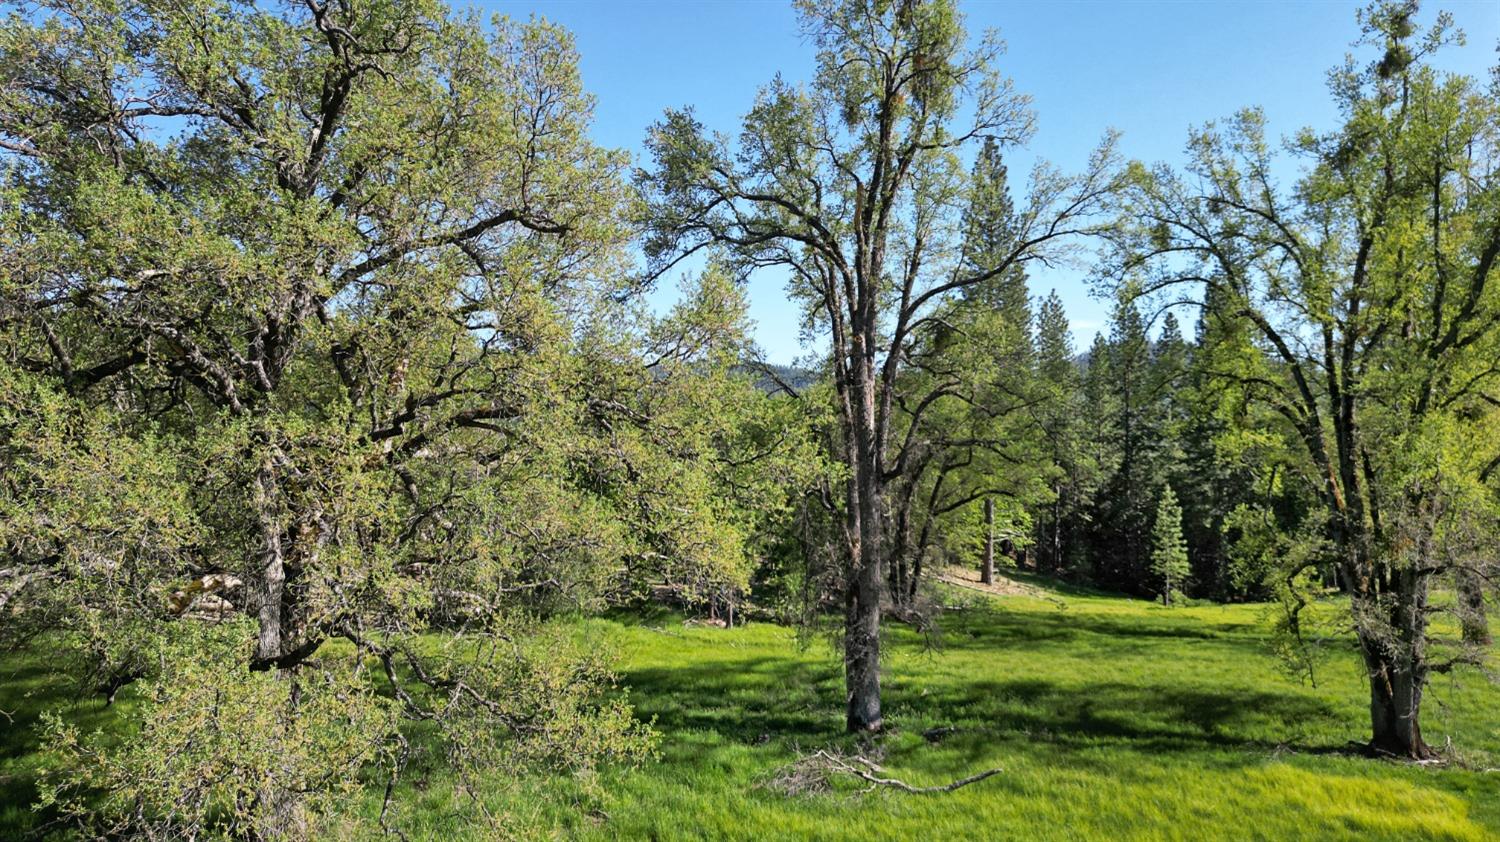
(1149, 69)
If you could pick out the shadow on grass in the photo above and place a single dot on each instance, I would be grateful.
(751, 700)
(765, 694)
(1141, 718)
(991, 627)
(31, 683)
(763, 699)
(757, 699)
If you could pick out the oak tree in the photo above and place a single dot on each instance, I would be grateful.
(853, 185)
(1362, 308)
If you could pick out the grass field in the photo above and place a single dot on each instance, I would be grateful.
(1111, 718)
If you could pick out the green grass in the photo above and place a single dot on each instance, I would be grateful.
(1112, 719)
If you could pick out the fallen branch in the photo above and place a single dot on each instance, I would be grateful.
(937, 735)
(811, 774)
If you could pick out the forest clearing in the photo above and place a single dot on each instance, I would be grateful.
(1111, 718)
(737, 421)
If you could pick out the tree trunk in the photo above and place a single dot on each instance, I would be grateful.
(272, 567)
(862, 648)
(897, 574)
(1392, 630)
(1472, 612)
(866, 576)
(987, 573)
(1055, 562)
(1395, 709)
(862, 622)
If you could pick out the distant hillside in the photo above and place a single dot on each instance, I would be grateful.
(792, 376)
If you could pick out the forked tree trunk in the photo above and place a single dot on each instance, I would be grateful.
(899, 577)
(1395, 708)
(987, 573)
(1392, 636)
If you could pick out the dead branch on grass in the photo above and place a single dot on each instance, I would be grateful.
(815, 772)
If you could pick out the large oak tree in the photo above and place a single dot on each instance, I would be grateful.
(1362, 308)
(311, 329)
(854, 185)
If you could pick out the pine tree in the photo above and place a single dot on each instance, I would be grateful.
(1169, 556)
(1131, 425)
(1054, 344)
(1060, 524)
(1169, 363)
(990, 227)
(1098, 413)
(1212, 483)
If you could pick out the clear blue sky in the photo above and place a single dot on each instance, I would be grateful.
(1149, 69)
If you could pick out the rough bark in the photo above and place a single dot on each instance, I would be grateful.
(987, 573)
(1391, 624)
(1395, 707)
(272, 568)
(866, 579)
(862, 647)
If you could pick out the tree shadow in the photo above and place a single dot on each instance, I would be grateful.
(760, 699)
(751, 700)
(1147, 718)
(31, 684)
(991, 627)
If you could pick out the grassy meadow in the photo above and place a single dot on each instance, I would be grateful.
(1111, 718)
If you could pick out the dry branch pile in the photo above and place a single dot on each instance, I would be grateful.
(814, 773)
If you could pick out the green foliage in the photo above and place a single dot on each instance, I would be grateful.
(210, 741)
(1115, 718)
(984, 445)
(337, 298)
(328, 401)
(1133, 388)
(853, 185)
(1359, 320)
(989, 240)
(1169, 555)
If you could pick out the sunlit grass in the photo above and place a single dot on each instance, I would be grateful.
(1112, 719)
